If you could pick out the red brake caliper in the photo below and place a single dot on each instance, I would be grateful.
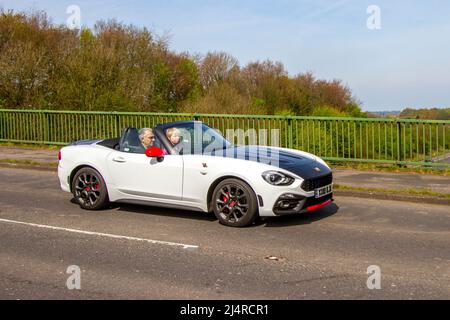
(225, 198)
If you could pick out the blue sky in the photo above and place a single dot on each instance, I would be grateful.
(406, 63)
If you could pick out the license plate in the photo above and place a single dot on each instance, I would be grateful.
(320, 192)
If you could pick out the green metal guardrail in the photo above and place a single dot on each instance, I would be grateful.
(414, 142)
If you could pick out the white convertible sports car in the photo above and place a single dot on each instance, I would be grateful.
(196, 169)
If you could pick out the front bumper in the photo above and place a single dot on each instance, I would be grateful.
(287, 205)
(290, 200)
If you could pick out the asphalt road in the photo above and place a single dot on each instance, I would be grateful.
(169, 254)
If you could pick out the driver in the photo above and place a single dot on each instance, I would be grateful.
(147, 138)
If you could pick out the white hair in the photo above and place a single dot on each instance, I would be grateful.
(143, 131)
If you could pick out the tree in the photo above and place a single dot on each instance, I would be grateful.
(216, 67)
(120, 67)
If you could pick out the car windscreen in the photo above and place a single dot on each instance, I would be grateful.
(195, 138)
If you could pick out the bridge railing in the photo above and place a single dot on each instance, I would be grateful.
(400, 141)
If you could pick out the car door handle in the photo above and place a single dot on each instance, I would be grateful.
(119, 159)
(204, 170)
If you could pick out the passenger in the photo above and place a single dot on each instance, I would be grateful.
(173, 134)
(147, 138)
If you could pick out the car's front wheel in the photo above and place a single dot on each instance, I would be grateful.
(234, 203)
(89, 189)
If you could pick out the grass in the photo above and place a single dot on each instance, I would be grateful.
(29, 163)
(389, 168)
(408, 191)
(30, 146)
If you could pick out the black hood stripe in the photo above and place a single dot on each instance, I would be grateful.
(301, 166)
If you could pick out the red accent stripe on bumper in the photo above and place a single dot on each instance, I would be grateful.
(318, 206)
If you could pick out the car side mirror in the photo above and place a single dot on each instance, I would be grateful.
(155, 152)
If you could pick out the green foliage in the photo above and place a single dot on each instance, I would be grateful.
(113, 67)
(327, 111)
(120, 67)
(285, 112)
(426, 114)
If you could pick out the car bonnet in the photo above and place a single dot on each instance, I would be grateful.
(300, 165)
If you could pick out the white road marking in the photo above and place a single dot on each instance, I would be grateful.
(107, 235)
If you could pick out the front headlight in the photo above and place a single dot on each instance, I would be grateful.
(277, 178)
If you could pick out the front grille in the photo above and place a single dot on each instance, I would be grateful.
(312, 184)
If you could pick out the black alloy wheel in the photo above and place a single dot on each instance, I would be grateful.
(89, 189)
(234, 203)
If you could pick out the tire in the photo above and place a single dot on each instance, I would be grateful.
(234, 203)
(89, 189)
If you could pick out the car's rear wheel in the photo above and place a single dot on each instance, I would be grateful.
(234, 203)
(89, 189)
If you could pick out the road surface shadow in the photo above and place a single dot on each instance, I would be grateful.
(282, 221)
(305, 218)
(153, 210)
(166, 212)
